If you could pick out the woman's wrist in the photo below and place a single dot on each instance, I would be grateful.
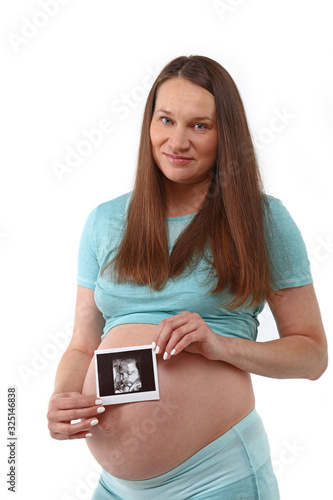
(221, 348)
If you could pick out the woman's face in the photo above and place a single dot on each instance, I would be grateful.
(183, 132)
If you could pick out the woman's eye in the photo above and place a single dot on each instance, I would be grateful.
(165, 120)
(201, 125)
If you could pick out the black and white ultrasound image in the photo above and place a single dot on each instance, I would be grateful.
(126, 375)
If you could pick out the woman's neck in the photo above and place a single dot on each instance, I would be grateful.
(180, 201)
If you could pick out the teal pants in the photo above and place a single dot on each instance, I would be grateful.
(236, 466)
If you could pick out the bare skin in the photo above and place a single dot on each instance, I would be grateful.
(144, 439)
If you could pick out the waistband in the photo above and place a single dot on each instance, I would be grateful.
(238, 453)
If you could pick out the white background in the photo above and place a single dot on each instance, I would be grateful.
(66, 71)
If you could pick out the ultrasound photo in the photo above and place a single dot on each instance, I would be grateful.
(126, 374)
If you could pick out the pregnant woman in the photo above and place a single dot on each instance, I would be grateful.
(185, 262)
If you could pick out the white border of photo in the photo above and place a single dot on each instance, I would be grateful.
(127, 397)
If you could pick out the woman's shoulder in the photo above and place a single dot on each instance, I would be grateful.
(271, 201)
(279, 219)
(114, 209)
(274, 208)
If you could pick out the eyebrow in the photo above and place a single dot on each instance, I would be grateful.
(199, 118)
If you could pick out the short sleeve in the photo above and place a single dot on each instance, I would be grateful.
(288, 255)
(87, 264)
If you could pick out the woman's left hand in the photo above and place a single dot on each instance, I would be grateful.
(185, 331)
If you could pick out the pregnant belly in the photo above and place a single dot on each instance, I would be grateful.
(199, 401)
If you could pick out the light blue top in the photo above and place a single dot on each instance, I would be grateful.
(128, 303)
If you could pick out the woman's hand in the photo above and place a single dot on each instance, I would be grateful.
(68, 406)
(185, 331)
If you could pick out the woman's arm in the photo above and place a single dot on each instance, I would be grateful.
(67, 403)
(87, 332)
(72, 370)
(301, 351)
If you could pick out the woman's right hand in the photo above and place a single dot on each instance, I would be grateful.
(67, 406)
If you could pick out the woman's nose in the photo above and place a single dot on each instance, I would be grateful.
(178, 139)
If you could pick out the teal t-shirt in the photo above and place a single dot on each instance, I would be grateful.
(128, 303)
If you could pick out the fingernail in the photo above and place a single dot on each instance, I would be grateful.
(153, 345)
(88, 435)
(165, 355)
(94, 422)
(98, 402)
(157, 350)
(173, 352)
(101, 409)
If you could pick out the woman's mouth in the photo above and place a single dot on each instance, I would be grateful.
(179, 160)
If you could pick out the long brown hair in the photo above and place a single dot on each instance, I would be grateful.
(230, 222)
